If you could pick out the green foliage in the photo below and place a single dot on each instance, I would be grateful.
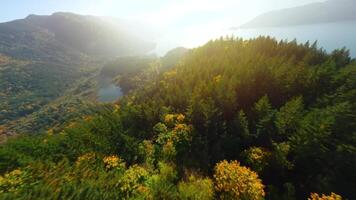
(173, 57)
(289, 116)
(131, 183)
(45, 68)
(37, 96)
(162, 183)
(286, 111)
(238, 94)
(125, 71)
(196, 188)
(27, 87)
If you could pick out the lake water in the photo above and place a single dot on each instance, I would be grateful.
(108, 92)
(330, 36)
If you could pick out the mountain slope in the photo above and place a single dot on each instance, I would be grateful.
(324, 12)
(43, 58)
(67, 37)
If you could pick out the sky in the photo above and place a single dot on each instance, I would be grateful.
(182, 22)
(157, 11)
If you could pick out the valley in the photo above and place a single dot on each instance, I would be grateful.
(87, 113)
(44, 68)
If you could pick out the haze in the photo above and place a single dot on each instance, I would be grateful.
(179, 23)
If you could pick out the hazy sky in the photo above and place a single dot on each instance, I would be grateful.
(158, 11)
(186, 22)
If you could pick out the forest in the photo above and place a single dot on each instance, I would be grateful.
(233, 119)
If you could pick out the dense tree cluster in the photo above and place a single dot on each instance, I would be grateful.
(234, 119)
(294, 102)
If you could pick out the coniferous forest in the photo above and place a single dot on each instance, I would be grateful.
(233, 119)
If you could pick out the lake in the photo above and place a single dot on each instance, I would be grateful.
(108, 92)
(330, 36)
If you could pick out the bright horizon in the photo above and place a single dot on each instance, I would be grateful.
(187, 23)
(156, 11)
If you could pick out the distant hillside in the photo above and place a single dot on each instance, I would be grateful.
(173, 56)
(324, 12)
(47, 62)
(67, 37)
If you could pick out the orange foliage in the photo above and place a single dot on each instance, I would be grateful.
(332, 196)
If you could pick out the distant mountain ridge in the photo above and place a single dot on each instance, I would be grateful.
(323, 12)
(62, 37)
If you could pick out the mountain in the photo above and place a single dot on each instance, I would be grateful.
(67, 37)
(322, 12)
(44, 58)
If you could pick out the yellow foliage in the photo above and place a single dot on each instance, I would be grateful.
(50, 132)
(170, 74)
(234, 181)
(217, 78)
(112, 162)
(332, 196)
(180, 117)
(11, 181)
(133, 179)
(148, 147)
(116, 108)
(71, 125)
(257, 153)
(181, 132)
(174, 118)
(257, 157)
(181, 127)
(141, 189)
(169, 118)
(88, 157)
(168, 149)
(88, 118)
(173, 133)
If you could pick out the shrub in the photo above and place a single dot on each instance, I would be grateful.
(234, 181)
(114, 162)
(132, 182)
(196, 189)
(12, 181)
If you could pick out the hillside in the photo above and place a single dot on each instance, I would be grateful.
(233, 119)
(315, 13)
(70, 38)
(44, 58)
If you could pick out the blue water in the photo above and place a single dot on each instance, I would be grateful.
(330, 36)
(109, 93)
